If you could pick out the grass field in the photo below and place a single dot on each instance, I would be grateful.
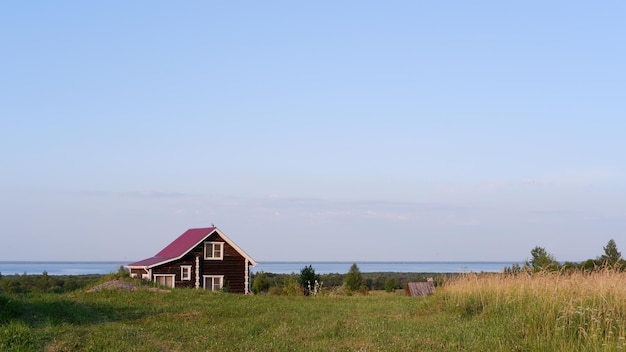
(542, 312)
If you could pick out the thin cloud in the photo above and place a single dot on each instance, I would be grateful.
(572, 179)
(157, 194)
(133, 194)
(317, 210)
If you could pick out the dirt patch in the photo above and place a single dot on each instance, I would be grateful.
(116, 285)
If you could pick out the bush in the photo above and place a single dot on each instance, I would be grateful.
(354, 280)
(261, 283)
(308, 280)
(291, 287)
(390, 284)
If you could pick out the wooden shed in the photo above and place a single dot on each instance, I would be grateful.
(199, 258)
(417, 289)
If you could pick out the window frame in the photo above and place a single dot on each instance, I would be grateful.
(213, 277)
(213, 244)
(185, 269)
(172, 276)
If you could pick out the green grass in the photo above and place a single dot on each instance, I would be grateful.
(470, 313)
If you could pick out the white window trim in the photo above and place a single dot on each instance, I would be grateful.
(213, 257)
(184, 277)
(221, 277)
(173, 276)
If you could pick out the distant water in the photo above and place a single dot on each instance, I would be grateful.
(83, 268)
(59, 268)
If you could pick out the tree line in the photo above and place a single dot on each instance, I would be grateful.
(54, 283)
(308, 283)
(542, 260)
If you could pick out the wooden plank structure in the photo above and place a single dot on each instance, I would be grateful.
(199, 258)
(417, 289)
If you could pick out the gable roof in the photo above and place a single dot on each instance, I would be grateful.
(185, 243)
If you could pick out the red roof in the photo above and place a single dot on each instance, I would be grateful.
(151, 261)
(183, 244)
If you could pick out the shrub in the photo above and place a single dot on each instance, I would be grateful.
(291, 287)
(390, 284)
(308, 279)
(261, 283)
(354, 280)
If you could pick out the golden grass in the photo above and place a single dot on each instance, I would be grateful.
(558, 310)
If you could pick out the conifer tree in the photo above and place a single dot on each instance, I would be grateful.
(308, 279)
(611, 255)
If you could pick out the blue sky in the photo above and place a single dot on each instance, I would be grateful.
(348, 130)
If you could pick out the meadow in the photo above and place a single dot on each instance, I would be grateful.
(551, 311)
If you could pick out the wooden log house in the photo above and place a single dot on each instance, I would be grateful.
(199, 258)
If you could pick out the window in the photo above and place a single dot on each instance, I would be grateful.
(213, 282)
(166, 280)
(185, 272)
(213, 250)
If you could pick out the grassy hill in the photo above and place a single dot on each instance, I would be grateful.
(471, 312)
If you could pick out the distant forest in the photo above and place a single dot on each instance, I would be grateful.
(55, 283)
(542, 260)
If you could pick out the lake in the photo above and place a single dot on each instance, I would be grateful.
(106, 267)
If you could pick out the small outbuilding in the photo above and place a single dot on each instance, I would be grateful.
(417, 289)
(199, 258)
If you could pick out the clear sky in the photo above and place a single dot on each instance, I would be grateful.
(313, 131)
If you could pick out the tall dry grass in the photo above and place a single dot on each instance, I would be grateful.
(547, 310)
